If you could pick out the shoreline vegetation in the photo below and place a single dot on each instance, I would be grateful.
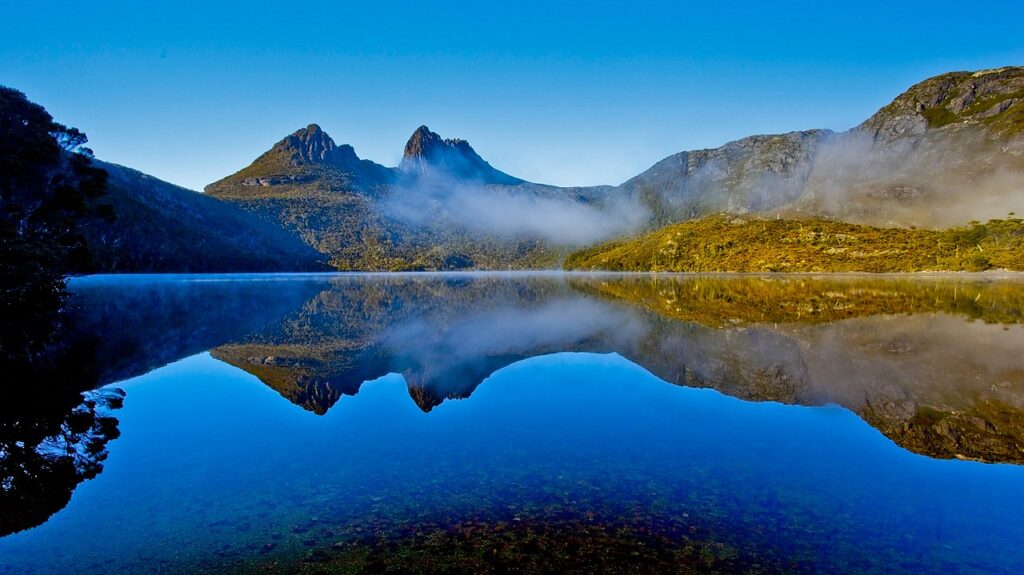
(746, 244)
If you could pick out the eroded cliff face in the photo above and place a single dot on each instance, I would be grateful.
(755, 174)
(946, 151)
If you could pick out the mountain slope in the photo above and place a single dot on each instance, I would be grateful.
(160, 227)
(948, 150)
(757, 173)
(301, 164)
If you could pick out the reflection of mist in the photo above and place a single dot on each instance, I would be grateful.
(452, 354)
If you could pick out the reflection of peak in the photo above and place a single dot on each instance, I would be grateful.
(424, 398)
(297, 374)
(429, 155)
(429, 386)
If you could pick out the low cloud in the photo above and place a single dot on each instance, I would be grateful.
(555, 215)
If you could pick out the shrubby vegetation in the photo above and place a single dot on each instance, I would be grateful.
(723, 243)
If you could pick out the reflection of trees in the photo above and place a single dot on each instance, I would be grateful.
(45, 452)
(54, 349)
(721, 301)
(53, 435)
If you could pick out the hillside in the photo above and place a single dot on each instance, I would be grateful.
(723, 243)
(948, 150)
(160, 227)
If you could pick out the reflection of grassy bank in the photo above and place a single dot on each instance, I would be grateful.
(733, 244)
(718, 301)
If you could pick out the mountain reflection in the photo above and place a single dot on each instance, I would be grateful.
(932, 363)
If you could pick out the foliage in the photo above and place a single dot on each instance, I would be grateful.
(48, 185)
(723, 243)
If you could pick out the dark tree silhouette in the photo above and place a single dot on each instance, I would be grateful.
(52, 435)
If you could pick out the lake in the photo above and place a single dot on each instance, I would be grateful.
(543, 422)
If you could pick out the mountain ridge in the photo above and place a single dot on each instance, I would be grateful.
(947, 150)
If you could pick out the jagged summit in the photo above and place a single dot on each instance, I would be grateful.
(422, 143)
(311, 145)
(428, 155)
(297, 162)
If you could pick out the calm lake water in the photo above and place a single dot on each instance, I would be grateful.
(346, 423)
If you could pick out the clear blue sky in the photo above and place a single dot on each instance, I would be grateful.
(572, 94)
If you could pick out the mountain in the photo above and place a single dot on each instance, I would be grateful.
(160, 227)
(948, 150)
(369, 217)
(63, 212)
(757, 173)
(427, 155)
(302, 164)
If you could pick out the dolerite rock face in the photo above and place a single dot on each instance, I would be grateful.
(978, 98)
(305, 161)
(427, 155)
(311, 145)
(753, 174)
(948, 150)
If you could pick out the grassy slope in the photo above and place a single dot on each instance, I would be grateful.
(729, 244)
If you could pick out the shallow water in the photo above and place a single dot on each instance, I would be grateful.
(272, 422)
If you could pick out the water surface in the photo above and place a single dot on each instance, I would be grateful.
(347, 422)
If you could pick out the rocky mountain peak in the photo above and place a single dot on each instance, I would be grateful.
(429, 155)
(423, 143)
(296, 163)
(311, 145)
(992, 100)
